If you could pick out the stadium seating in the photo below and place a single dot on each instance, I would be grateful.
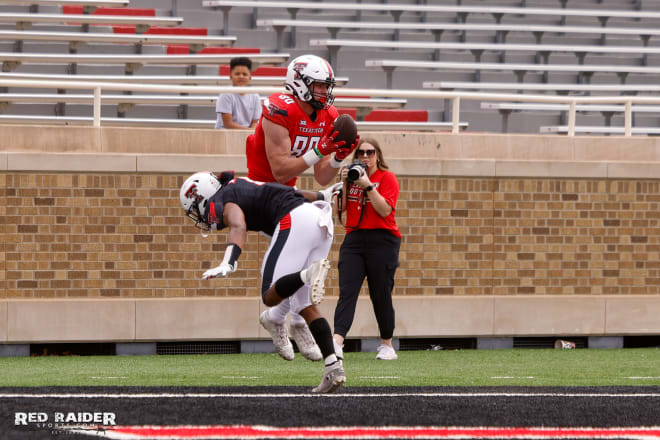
(558, 88)
(86, 6)
(132, 63)
(76, 40)
(583, 72)
(498, 32)
(610, 39)
(461, 11)
(541, 52)
(25, 21)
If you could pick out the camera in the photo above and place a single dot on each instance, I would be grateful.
(355, 170)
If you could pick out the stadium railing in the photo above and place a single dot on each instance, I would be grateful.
(437, 29)
(455, 97)
(583, 71)
(396, 10)
(506, 108)
(206, 123)
(587, 129)
(126, 102)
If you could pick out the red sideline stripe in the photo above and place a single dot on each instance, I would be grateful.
(249, 432)
(285, 223)
(111, 11)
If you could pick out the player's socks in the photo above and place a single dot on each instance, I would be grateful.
(288, 284)
(323, 336)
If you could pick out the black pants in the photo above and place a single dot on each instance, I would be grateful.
(373, 253)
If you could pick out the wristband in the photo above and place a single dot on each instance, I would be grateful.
(319, 196)
(232, 253)
(369, 188)
(336, 163)
(311, 157)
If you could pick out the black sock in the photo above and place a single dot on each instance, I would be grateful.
(323, 336)
(288, 284)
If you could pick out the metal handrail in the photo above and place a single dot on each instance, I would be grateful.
(456, 97)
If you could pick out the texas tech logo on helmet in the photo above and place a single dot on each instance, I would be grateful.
(298, 66)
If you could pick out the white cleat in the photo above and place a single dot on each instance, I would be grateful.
(334, 377)
(280, 338)
(305, 341)
(386, 353)
(314, 276)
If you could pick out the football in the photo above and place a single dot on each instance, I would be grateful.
(347, 129)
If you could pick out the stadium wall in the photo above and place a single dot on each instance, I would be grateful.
(504, 235)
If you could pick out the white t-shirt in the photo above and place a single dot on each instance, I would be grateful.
(243, 108)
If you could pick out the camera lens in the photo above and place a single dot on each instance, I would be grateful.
(353, 174)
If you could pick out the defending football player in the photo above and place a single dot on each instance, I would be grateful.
(295, 132)
(295, 265)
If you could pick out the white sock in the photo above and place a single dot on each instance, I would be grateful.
(303, 276)
(278, 313)
(330, 360)
(297, 320)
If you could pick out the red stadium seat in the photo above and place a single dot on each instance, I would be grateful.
(259, 71)
(111, 11)
(182, 49)
(397, 115)
(230, 50)
(348, 111)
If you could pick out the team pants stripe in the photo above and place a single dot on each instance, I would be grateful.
(274, 255)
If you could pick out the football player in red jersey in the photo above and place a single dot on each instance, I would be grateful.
(294, 133)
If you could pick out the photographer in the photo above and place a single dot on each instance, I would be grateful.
(371, 245)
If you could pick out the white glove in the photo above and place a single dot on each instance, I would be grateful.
(330, 191)
(223, 270)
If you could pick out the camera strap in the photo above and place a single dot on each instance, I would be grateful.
(339, 209)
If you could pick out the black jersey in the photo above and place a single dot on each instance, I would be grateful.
(263, 204)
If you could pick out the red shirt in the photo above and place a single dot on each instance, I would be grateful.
(282, 109)
(388, 187)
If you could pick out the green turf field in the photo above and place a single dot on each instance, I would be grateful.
(522, 367)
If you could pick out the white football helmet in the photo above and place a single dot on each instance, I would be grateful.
(301, 75)
(195, 194)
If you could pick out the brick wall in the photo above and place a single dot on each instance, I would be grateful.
(111, 234)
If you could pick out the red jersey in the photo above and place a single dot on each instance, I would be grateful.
(282, 109)
(388, 187)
